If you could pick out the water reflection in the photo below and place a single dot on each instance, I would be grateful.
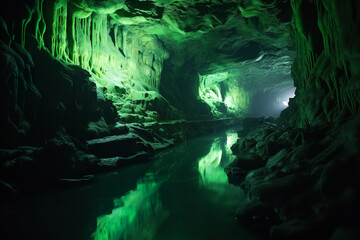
(186, 186)
(127, 219)
(211, 166)
(209, 169)
(231, 138)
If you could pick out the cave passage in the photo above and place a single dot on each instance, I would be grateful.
(113, 118)
(182, 194)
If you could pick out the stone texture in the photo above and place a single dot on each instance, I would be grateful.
(311, 183)
(326, 69)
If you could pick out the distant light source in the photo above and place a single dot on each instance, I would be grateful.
(286, 103)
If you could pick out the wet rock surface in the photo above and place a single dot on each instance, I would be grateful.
(309, 184)
(56, 124)
(64, 160)
(60, 122)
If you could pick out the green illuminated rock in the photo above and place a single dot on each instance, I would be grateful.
(125, 46)
(121, 79)
(326, 68)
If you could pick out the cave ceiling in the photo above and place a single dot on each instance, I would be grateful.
(249, 39)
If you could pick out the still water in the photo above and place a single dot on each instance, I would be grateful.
(182, 194)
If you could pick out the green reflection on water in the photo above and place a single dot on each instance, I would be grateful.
(211, 166)
(139, 213)
(209, 169)
(126, 221)
(231, 138)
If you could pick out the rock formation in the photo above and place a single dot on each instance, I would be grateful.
(88, 86)
(301, 183)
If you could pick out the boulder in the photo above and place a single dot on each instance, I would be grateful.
(279, 191)
(98, 129)
(244, 163)
(247, 161)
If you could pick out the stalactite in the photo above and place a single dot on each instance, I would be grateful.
(40, 24)
(114, 62)
(59, 41)
(24, 24)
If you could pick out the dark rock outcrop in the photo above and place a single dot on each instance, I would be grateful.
(19, 97)
(326, 68)
(310, 182)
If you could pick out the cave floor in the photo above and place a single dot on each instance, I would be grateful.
(182, 194)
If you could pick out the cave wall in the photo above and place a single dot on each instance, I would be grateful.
(307, 169)
(124, 61)
(125, 45)
(40, 96)
(326, 69)
(181, 81)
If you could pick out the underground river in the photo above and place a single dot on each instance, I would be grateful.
(183, 193)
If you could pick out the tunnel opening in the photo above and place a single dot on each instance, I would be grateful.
(270, 103)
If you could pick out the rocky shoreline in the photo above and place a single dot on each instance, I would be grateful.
(64, 160)
(300, 183)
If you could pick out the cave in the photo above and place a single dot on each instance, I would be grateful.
(180, 119)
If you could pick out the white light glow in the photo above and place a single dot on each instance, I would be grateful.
(286, 103)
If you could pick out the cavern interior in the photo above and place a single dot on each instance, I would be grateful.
(180, 119)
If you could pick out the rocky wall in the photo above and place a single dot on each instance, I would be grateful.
(326, 68)
(41, 96)
(299, 173)
(124, 61)
(300, 183)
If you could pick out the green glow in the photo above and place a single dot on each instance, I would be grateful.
(211, 79)
(209, 166)
(209, 91)
(212, 175)
(24, 24)
(124, 67)
(136, 215)
(236, 99)
(231, 138)
(40, 24)
(59, 45)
